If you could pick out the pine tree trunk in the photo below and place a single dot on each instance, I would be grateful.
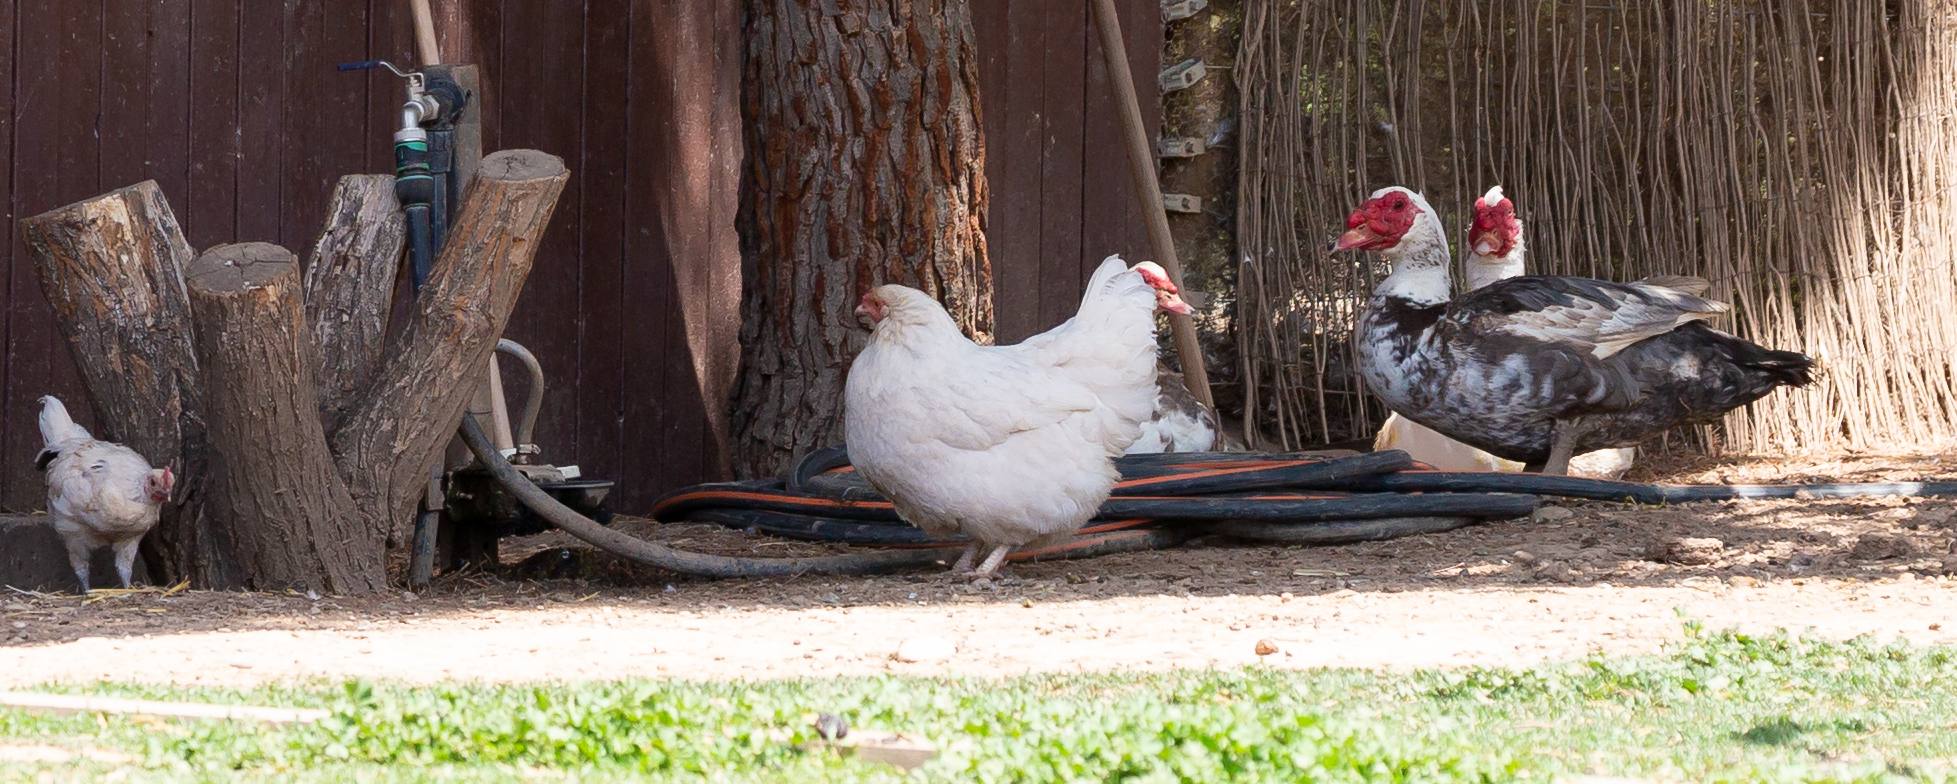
(865, 166)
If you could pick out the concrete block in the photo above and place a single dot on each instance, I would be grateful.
(33, 558)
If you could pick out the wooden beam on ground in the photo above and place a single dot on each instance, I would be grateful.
(73, 704)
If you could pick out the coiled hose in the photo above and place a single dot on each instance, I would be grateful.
(1161, 501)
(704, 565)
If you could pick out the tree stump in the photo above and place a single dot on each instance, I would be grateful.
(321, 431)
(262, 411)
(112, 270)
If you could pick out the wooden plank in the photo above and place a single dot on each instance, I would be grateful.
(8, 86)
(1012, 96)
(325, 131)
(654, 196)
(719, 346)
(390, 37)
(145, 127)
(1064, 55)
(209, 207)
(261, 110)
(600, 185)
(1110, 222)
(472, 33)
(692, 252)
(57, 160)
(548, 72)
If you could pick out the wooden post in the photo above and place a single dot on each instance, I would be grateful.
(262, 409)
(1141, 159)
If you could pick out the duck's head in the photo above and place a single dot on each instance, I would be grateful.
(1397, 223)
(1496, 233)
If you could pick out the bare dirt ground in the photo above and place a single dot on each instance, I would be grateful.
(1580, 578)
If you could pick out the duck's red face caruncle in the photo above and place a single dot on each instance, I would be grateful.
(1495, 228)
(1380, 223)
(1167, 296)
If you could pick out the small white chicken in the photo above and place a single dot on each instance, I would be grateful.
(99, 494)
(1008, 445)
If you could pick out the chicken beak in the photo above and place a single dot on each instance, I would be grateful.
(1484, 244)
(1356, 238)
(1170, 301)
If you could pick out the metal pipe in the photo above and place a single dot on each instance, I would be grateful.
(526, 431)
(1141, 160)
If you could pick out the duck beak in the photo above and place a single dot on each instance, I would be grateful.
(1356, 238)
(1170, 301)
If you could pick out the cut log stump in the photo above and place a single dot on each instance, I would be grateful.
(319, 429)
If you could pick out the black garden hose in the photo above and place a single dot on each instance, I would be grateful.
(1338, 531)
(1630, 492)
(661, 556)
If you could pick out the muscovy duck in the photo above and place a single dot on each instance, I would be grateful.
(1496, 250)
(1537, 369)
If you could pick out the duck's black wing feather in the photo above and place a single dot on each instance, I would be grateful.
(1596, 316)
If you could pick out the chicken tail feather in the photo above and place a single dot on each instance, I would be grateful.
(56, 425)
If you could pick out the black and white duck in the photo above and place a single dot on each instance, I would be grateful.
(1537, 368)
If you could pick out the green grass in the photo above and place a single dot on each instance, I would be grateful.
(1718, 707)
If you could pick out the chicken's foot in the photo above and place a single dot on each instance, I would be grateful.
(125, 552)
(990, 565)
(79, 552)
(965, 559)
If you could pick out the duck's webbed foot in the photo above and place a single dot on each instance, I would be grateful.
(1562, 446)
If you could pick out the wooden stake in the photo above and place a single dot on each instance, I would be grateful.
(1148, 193)
(431, 52)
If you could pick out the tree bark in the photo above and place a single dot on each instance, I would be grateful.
(385, 449)
(350, 286)
(112, 269)
(276, 489)
(292, 501)
(865, 167)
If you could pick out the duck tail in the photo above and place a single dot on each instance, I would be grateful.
(1790, 368)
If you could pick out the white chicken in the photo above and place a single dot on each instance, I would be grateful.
(1495, 252)
(99, 494)
(1008, 445)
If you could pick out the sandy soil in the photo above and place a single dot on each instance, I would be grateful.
(1578, 578)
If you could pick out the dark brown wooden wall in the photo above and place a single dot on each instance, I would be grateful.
(235, 107)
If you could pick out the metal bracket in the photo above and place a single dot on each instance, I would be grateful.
(1178, 10)
(1181, 75)
(1182, 202)
(1179, 147)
